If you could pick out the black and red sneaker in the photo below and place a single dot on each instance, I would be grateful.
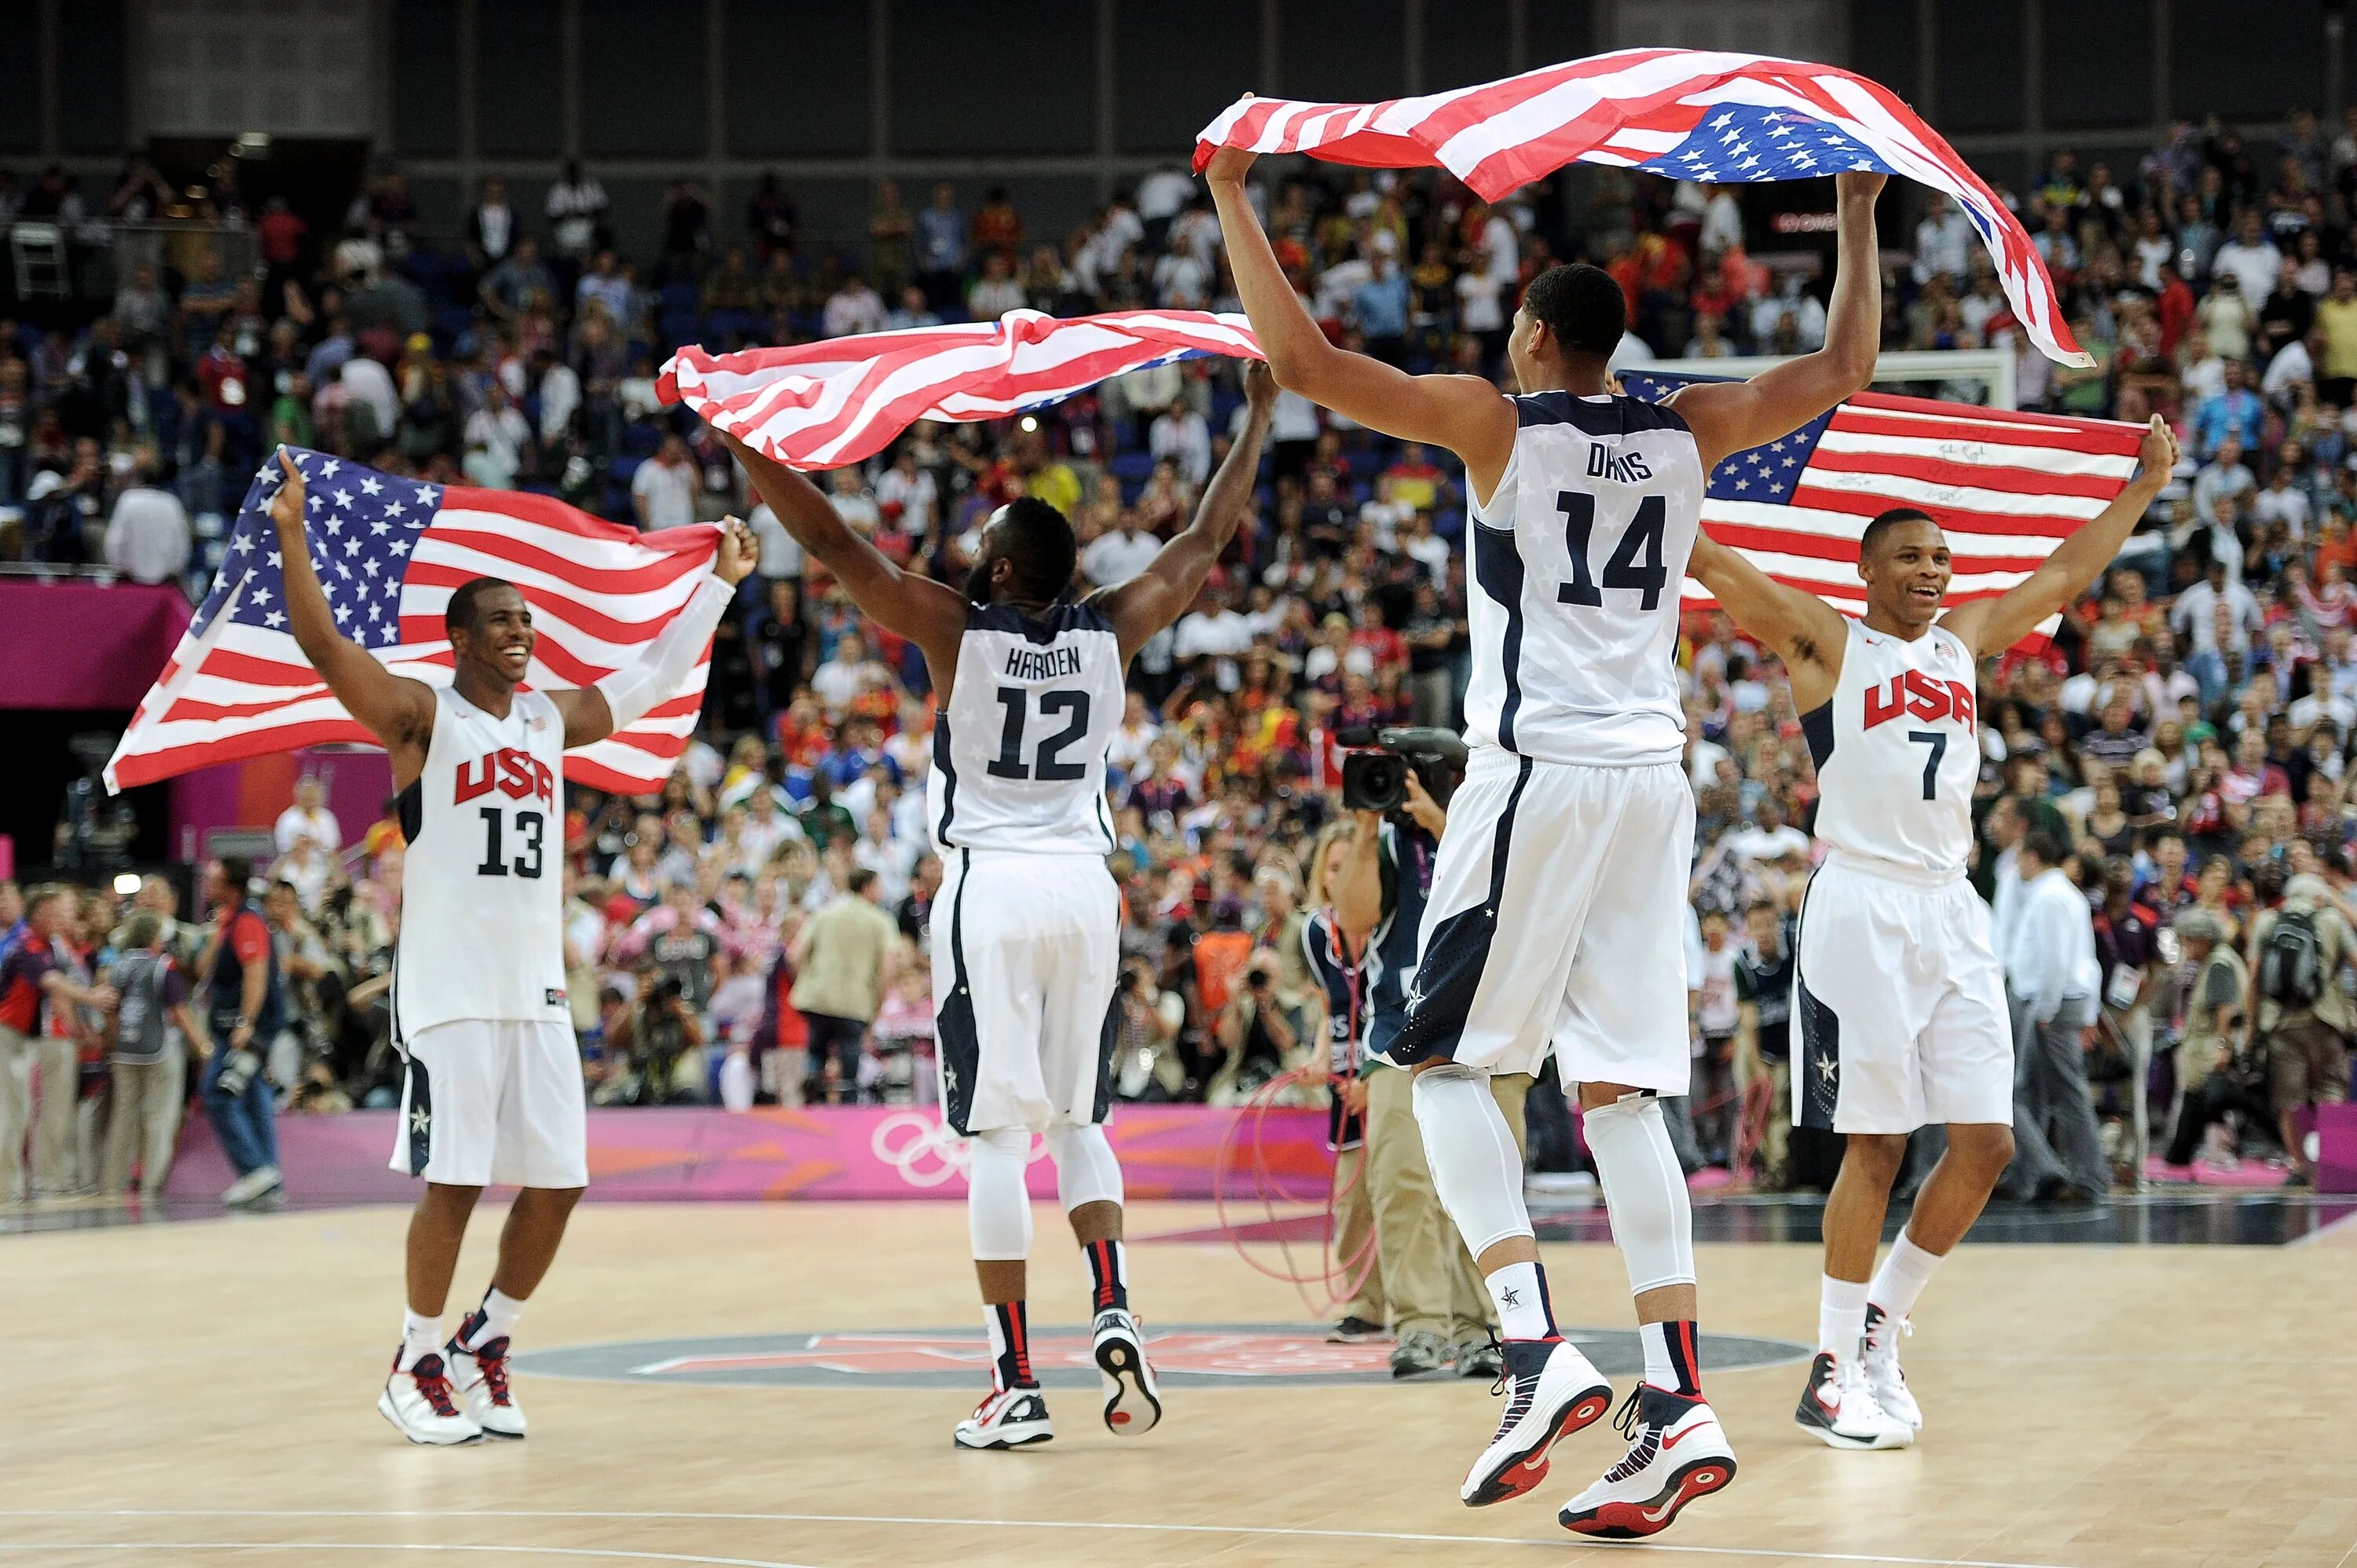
(1552, 1391)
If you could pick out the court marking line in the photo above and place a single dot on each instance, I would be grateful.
(388, 1546)
(1554, 1542)
(2306, 1237)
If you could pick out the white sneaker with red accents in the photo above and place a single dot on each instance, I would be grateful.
(1678, 1451)
(1133, 1400)
(1552, 1391)
(1007, 1418)
(480, 1376)
(421, 1403)
(1839, 1408)
(1882, 1373)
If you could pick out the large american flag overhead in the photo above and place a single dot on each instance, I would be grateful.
(1709, 115)
(388, 552)
(843, 400)
(2007, 488)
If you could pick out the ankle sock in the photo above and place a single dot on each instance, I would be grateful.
(1109, 1268)
(1520, 1293)
(1898, 1285)
(1841, 1317)
(420, 1336)
(495, 1319)
(1672, 1356)
(1010, 1345)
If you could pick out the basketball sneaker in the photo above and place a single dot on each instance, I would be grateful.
(1839, 1408)
(1007, 1418)
(1882, 1373)
(481, 1377)
(1353, 1329)
(1132, 1405)
(1678, 1451)
(422, 1404)
(1552, 1391)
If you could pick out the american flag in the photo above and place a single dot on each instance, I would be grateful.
(822, 405)
(388, 552)
(2006, 488)
(1708, 115)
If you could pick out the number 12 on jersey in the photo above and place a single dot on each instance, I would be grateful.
(1624, 569)
(1048, 762)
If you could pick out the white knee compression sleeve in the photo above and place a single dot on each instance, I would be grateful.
(1476, 1169)
(997, 1209)
(633, 691)
(1644, 1192)
(1086, 1171)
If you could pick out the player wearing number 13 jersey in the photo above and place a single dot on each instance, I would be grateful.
(1556, 916)
(492, 1089)
(1027, 925)
(1900, 1002)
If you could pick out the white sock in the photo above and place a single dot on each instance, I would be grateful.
(1904, 1273)
(420, 1336)
(1672, 1360)
(1520, 1295)
(500, 1314)
(1841, 1317)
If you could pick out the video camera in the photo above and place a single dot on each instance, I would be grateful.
(1374, 774)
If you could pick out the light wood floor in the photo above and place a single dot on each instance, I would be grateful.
(203, 1394)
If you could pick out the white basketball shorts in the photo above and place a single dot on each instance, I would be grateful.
(1557, 919)
(494, 1102)
(1898, 1005)
(1027, 949)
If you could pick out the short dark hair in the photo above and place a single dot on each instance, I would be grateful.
(1040, 542)
(1885, 521)
(460, 612)
(1581, 306)
(238, 872)
(860, 880)
(2046, 844)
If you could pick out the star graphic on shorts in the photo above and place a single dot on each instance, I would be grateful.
(1414, 998)
(1828, 1069)
(419, 1121)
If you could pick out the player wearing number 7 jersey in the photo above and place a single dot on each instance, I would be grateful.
(1030, 687)
(492, 1090)
(1900, 1000)
(1557, 908)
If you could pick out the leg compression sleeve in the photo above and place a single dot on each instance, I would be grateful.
(1644, 1192)
(1086, 1171)
(1476, 1169)
(997, 1209)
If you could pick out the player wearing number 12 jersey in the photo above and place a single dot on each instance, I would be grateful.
(492, 1090)
(1026, 927)
(1557, 906)
(1900, 1003)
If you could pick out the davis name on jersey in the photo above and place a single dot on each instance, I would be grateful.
(1898, 752)
(1577, 559)
(1020, 748)
(481, 888)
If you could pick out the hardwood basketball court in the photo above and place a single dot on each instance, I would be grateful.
(203, 1391)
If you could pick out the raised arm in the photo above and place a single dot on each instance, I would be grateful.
(930, 614)
(621, 699)
(1160, 595)
(1807, 633)
(1464, 413)
(1731, 416)
(398, 711)
(1994, 625)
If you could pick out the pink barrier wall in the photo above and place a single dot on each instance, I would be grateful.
(251, 794)
(78, 645)
(824, 1152)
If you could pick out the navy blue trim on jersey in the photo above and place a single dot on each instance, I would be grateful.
(1063, 615)
(945, 759)
(417, 1115)
(1817, 729)
(1108, 1040)
(1408, 857)
(955, 1033)
(1498, 568)
(1617, 416)
(410, 806)
(1817, 1042)
(1449, 972)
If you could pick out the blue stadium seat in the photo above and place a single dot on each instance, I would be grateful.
(679, 296)
(1131, 467)
(641, 439)
(624, 466)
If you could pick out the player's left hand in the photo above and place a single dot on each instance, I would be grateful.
(1260, 385)
(1229, 166)
(1860, 183)
(2157, 454)
(739, 552)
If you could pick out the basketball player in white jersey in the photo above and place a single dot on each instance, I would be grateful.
(1027, 925)
(1899, 1000)
(1556, 919)
(492, 1091)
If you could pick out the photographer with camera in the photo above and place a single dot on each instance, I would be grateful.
(1254, 1031)
(1395, 787)
(656, 1047)
(1146, 1063)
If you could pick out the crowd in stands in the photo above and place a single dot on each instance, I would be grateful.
(2178, 751)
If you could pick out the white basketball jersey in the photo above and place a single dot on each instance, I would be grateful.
(482, 885)
(1898, 752)
(1577, 560)
(1019, 748)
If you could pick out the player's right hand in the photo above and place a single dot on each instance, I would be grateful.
(286, 505)
(1260, 385)
(1229, 166)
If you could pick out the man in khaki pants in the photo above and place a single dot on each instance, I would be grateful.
(32, 983)
(1440, 1309)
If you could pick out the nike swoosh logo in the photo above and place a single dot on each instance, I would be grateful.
(1831, 1407)
(1673, 1440)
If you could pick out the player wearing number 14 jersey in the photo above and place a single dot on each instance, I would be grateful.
(1558, 905)
(1900, 1003)
(492, 1089)
(1027, 925)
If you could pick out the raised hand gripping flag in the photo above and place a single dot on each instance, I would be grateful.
(1708, 115)
(822, 405)
(388, 552)
(2006, 488)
